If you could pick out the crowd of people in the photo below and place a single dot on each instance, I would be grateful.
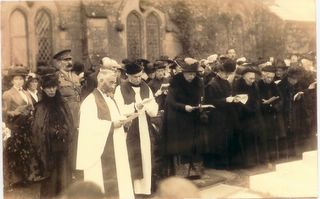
(127, 126)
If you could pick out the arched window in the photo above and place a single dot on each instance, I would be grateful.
(134, 36)
(43, 25)
(18, 38)
(153, 37)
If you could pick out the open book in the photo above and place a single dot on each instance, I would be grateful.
(164, 87)
(243, 98)
(203, 106)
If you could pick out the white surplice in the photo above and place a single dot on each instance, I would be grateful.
(141, 186)
(93, 134)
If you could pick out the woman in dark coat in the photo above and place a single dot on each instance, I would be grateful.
(270, 110)
(52, 129)
(252, 138)
(222, 119)
(181, 124)
(293, 110)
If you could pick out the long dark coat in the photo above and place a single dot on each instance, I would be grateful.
(52, 133)
(222, 122)
(271, 112)
(181, 135)
(294, 115)
(252, 138)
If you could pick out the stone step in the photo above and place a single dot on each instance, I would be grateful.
(284, 185)
(297, 166)
(310, 157)
(227, 191)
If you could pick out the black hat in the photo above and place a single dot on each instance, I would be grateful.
(165, 58)
(270, 69)
(159, 65)
(18, 71)
(281, 64)
(48, 76)
(250, 69)
(295, 72)
(188, 64)
(63, 54)
(149, 68)
(228, 66)
(133, 68)
(142, 62)
(128, 60)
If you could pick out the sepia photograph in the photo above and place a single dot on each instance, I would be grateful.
(158, 99)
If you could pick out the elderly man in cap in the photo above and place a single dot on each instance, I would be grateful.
(135, 97)
(181, 121)
(159, 85)
(70, 89)
(250, 120)
(270, 107)
(102, 150)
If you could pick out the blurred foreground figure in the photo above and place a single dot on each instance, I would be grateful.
(83, 190)
(177, 188)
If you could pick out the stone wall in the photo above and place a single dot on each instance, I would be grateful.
(93, 29)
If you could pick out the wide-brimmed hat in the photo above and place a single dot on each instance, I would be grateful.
(188, 64)
(149, 68)
(250, 69)
(159, 65)
(48, 76)
(228, 66)
(269, 69)
(281, 64)
(295, 72)
(18, 71)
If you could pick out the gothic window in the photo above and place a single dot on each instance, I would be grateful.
(43, 26)
(134, 36)
(18, 38)
(153, 37)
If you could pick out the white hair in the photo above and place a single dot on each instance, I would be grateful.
(103, 74)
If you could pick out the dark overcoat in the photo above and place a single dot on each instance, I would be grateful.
(272, 124)
(52, 134)
(222, 119)
(221, 146)
(252, 138)
(180, 129)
